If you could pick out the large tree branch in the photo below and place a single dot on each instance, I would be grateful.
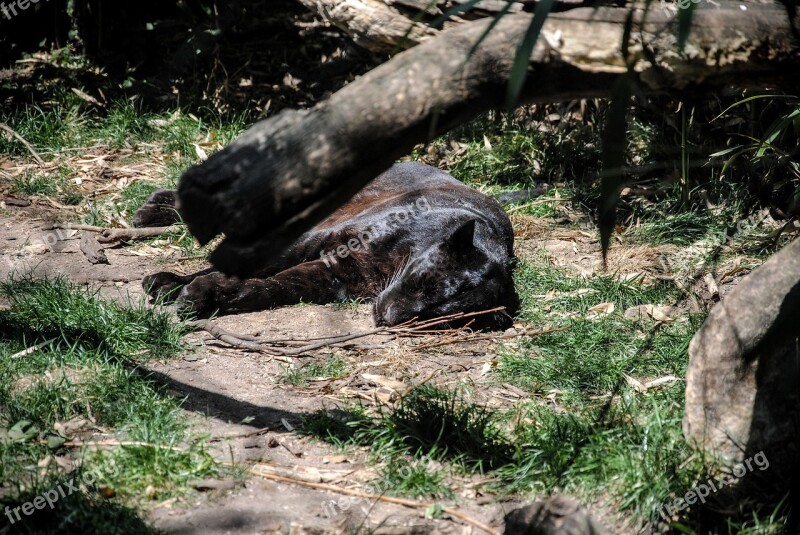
(288, 172)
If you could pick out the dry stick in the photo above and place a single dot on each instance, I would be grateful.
(114, 234)
(409, 328)
(78, 226)
(115, 443)
(22, 140)
(250, 342)
(323, 343)
(320, 486)
(228, 337)
(309, 339)
(490, 337)
(388, 499)
(32, 349)
(239, 435)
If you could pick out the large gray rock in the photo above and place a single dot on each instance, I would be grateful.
(743, 381)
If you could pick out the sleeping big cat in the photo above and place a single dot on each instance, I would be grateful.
(417, 241)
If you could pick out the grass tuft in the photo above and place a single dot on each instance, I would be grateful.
(87, 381)
(429, 419)
(331, 368)
(41, 309)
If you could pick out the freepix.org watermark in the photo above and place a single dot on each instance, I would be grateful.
(15, 7)
(670, 8)
(49, 498)
(16, 261)
(398, 218)
(333, 508)
(704, 490)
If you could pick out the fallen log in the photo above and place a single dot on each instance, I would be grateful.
(288, 172)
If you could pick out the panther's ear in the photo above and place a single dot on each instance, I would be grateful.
(462, 239)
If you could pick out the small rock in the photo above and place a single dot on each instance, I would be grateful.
(92, 249)
(204, 485)
(557, 515)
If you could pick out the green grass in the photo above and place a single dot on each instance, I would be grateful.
(413, 478)
(68, 123)
(32, 184)
(583, 431)
(495, 150)
(135, 195)
(588, 356)
(441, 424)
(331, 368)
(55, 308)
(350, 304)
(84, 378)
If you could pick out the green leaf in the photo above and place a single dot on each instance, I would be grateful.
(23, 431)
(523, 55)
(725, 151)
(613, 157)
(434, 510)
(776, 129)
(55, 441)
(749, 99)
(683, 528)
(685, 16)
(733, 158)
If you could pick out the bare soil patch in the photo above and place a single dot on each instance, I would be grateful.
(237, 398)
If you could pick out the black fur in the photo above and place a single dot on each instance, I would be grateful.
(419, 242)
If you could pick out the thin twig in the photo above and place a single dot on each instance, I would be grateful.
(249, 434)
(228, 337)
(458, 340)
(13, 133)
(378, 498)
(409, 328)
(320, 486)
(116, 443)
(32, 349)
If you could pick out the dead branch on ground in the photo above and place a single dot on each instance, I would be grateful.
(109, 235)
(290, 347)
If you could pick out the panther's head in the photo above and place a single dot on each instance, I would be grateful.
(453, 275)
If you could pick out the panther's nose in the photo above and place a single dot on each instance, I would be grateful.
(377, 316)
(381, 316)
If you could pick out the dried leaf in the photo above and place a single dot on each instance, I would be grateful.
(387, 382)
(602, 309)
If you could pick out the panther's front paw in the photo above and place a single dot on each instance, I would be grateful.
(206, 295)
(163, 286)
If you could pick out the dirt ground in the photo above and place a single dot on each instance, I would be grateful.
(236, 397)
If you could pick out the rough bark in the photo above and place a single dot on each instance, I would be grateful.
(394, 25)
(372, 24)
(288, 172)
